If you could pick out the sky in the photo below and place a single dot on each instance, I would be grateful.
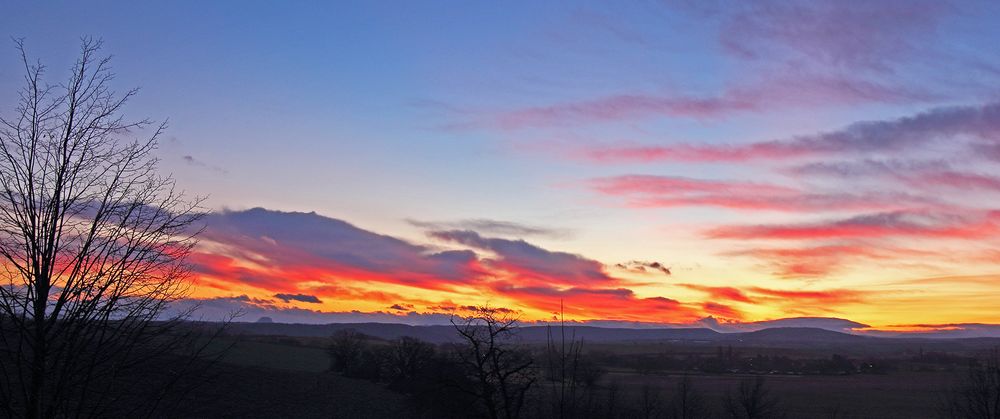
(673, 162)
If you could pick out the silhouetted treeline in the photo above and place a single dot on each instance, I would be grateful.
(490, 375)
(729, 360)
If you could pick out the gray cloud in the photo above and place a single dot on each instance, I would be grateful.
(531, 261)
(305, 298)
(192, 161)
(498, 227)
(643, 266)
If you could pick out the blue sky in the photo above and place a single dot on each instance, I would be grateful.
(384, 113)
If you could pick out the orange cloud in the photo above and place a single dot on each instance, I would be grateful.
(721, 293)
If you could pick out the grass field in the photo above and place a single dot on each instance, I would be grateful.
(294, 371)
(897, 395)
(279, 356)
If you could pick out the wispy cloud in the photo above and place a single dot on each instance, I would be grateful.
(869, 36)
(721, 293)
(895, 224)
(192, 161)
(789, 90)
(645, 191)
(496, 227)
(822, 260)
(968, 125)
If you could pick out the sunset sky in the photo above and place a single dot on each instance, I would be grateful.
(636, 162)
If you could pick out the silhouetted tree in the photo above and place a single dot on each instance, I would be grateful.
(407, 360)
(612, 400)
(499, 370)
(346, 350)
(92, 244)
(977, 394)
(649, 402)
(567, 372)
(687, 402)
(752, 399)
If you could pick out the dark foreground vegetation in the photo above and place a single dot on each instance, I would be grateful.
(489, 370)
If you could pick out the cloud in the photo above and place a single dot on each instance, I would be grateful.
(834, 296)
(192, 161)
(721, 293)
(823, 260)
(503, 228)
(944, 124)
(929, 175)
(642, 266)
(867, 168)
(531, 263)
(646, 191)
(305, 257)
(788, 90)
(778, 55)
(923, 176)
(865, 36)
(894, 224)
(824, 299)
(721, 310)
(221, 308)
(600, 303)
(215, 309)
(662, 185)
(308, 258)
(279, 250)
(305, 298)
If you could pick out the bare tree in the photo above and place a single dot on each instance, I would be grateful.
(567, 371)
(687, 402)
(92, 243)
(752, 399)
(345, 350)
(407, 358)
(649, 402)
(977, 394)
(501, 372)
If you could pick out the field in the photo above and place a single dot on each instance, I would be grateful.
(278, 376)
(898, 395)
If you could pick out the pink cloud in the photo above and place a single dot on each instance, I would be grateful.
(868, 35)
(657, 185)
(788, 90)
(825, 259)
(721, 293)
(948, 124)
(834, 296)
(305, 258)
(645, 191)
(897, 224)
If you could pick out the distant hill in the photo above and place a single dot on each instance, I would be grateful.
(799, 334)
(606, 334)
(442, 334)
(775, 336)
(829, 323)
(434, 334)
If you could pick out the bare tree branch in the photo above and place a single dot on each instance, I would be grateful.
(92, 242)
